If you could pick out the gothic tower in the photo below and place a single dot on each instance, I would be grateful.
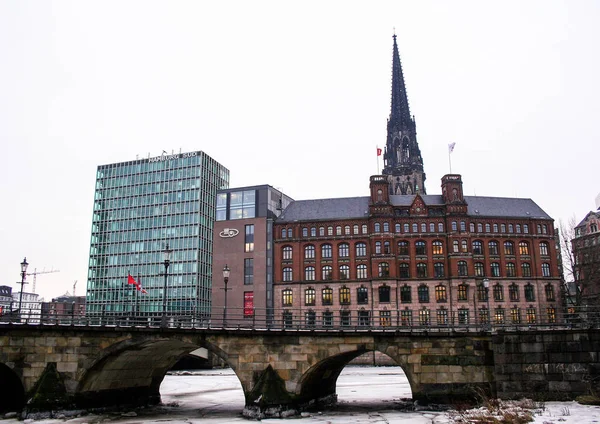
(402, 160)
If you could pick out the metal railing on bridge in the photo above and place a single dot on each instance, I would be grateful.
(355, 320)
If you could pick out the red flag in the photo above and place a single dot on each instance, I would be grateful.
(130, 280)
(378, 151)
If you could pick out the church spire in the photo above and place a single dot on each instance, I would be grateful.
(400, 110)
(402, 158)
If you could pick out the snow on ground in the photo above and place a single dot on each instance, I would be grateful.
(366, 395)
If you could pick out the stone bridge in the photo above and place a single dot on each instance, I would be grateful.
(57, 367)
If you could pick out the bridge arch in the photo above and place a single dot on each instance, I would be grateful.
(132, 370)
(12, 391)
(320, 380)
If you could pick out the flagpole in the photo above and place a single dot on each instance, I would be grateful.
(450, 160)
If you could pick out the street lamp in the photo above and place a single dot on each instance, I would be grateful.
(226, 272)
(167, 262)
(486, 284)
(24, 265)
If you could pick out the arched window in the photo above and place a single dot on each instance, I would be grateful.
(405, 294)
(495, 269)
(283, 232)
(544, 248)
(464, 247)
(423, 292)
(287, 252)
(338, 230)
(386, 227)
(549, 289)
(406, 228)
(355, 229)
(498, 293)
(404, 271)
(364, 229)
(344, 295)
(511, 270)
(420, 247)
(493, 248)
(309, 297)
(546, 270)
(495, 227)
(480, 228)
(421, 270)
(462, 269)
(361, 249)
(440, 293)
(377, 227)
(513, 292)
(431, 227)
(326, 273)
(386, 248)
(518, 228)
(378, 247)
(529, 293)
(509, 248)
(321, 231)
(327, 296)
(326, 251)
(438, 270)
(397, 228)
(313, 231)
(347, 230)
(344, 272)
(343, 250)
(384, 269)
(330, 230)
(423, 227)
(304, 232)
(479, 270)
(287, 297)
(361, 271)
(523, 248)
(289, 233)
(384, 294)
(525, 269)
(438, 247)
(463, 292)
(309, 252)
(309, 273)
(362, 295)
(403, 248)
(455, 246)
(415, 228)
(477, 247)
(440, 227)
(487, 228)
(287, 274)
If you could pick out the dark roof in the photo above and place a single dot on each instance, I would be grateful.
(326, 209)
(358, 207)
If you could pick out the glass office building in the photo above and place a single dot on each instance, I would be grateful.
(140, 207)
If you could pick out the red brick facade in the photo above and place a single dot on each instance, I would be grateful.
(418, 263)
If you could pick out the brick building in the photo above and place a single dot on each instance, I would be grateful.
(402, 257)
(586, 252)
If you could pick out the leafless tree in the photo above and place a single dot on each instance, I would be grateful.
(581, 265)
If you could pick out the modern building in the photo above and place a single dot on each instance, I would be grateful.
(586, 253)
(401, 257)
(143, 209)
(243, 242)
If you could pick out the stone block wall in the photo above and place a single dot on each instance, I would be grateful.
(557, 365)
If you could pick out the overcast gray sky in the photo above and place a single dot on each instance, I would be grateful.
(292, 94)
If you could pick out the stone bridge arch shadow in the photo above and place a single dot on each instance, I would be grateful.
(12, 391)
(321, 380)
(131, 371)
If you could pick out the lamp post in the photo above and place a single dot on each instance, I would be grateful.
(167, 262)
(486, 284)
(226, 272)
(24, 265)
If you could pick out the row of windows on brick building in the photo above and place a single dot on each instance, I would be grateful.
(405, 317)
(420, 249)
(432, 227)
(422, 271)
(440, 290)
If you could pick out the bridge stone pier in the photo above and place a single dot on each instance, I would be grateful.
(75, 367)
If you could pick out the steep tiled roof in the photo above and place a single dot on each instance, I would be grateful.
(358, 207)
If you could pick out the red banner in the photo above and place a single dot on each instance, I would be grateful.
(248, 304)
